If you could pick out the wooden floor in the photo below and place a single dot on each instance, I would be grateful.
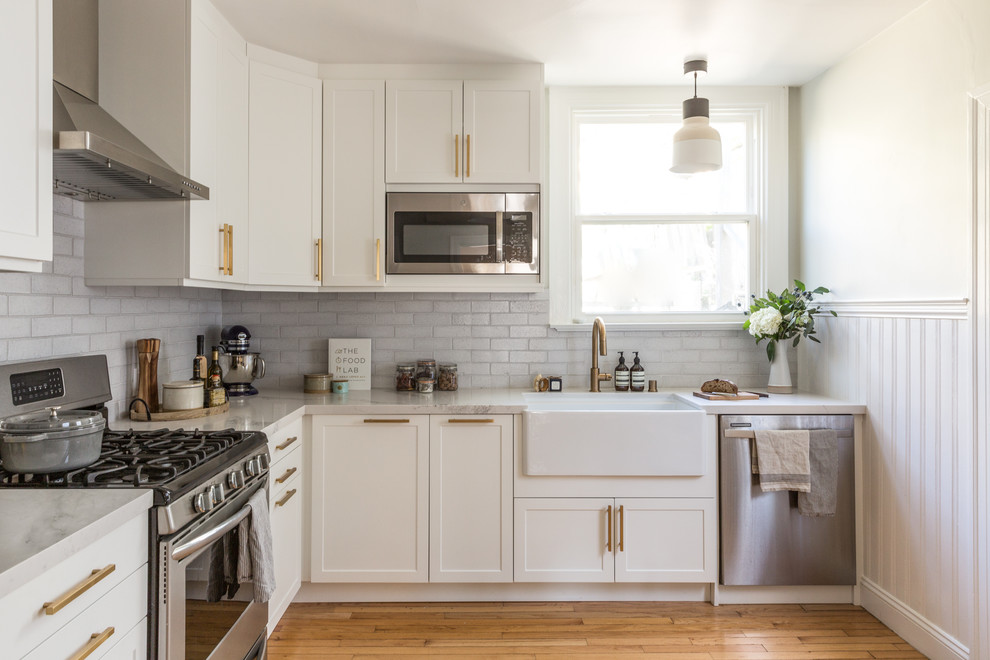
(544, 631)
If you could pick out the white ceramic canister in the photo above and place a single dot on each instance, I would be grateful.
(182, 395)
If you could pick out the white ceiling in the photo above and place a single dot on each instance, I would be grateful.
(636, 42)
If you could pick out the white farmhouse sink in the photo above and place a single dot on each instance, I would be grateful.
(611, 434)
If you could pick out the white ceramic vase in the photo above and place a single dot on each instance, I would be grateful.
(780, 371)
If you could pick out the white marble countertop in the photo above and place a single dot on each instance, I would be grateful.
(273, 409)
(42, 527)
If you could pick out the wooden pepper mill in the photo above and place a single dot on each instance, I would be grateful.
(148, 371)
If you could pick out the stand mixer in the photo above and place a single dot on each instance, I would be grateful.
(240, 367)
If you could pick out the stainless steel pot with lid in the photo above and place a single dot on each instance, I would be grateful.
(51, 440)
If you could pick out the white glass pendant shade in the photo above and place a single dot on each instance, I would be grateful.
(697, 147)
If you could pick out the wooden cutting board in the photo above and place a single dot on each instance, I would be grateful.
(718, 396)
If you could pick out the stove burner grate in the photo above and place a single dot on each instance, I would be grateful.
(137, 458)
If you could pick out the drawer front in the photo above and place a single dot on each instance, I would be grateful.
(286, 471)
(286, 440)
(110, 619)
(23, 610)
(132, 646)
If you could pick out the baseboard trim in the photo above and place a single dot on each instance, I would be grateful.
(918, 631)
(957, 309)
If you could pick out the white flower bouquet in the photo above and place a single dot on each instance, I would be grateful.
(779, 317)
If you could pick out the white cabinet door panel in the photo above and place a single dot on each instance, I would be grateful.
(562, 540)
(26, 141)
(502, 131)
(285, 120)
(370, 499)
(354, 182)
(470, 499)
(423, 131)
(665, 540)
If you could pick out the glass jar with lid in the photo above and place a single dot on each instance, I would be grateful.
(426, 375)
(405, 378)
(447, 377)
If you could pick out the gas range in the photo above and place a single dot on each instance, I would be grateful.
(206, 485)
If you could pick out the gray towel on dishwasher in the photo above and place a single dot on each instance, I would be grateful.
(255, 562)
(823, 450)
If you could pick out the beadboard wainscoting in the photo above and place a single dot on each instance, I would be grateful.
(911, 364)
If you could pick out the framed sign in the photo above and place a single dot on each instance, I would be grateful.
(350, 359)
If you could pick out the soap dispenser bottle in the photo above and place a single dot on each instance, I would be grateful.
(637, 375)
(621, 375)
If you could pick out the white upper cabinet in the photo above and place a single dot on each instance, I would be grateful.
(218, 148)
(452, 131)
(423, 131)
(501, 131)
(26, 142)
(353, 182)
(285, 155)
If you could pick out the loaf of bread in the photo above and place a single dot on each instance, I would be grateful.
(719, 385)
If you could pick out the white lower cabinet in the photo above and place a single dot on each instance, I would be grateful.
(470, 498)
(90, 601)
(563, 540)
(285, 487)
(370, 498)
(621, 540)
(412, 498)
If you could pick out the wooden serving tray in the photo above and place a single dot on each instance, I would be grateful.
(176, 415)
(721, 396)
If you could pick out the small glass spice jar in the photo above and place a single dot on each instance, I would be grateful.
(447, 378)
(426, 375)
(405, 378)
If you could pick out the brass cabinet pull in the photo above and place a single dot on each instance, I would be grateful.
(470, 421)
(608, 542)
(223, 250)
(386, 421)
(288, 496)
(230, 249)
(622, 528)
(287, 442)
(378, 259)
(95, 641)
(457, 152)
(288, 473)
(319, 259)
(467, 158)
(75, 592)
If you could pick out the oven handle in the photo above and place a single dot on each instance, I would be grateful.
(206, 538)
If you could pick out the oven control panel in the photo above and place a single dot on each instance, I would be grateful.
(33, 386)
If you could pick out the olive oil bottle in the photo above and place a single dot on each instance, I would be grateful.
(216, 395)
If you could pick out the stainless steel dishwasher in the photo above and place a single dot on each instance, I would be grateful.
(764, 540)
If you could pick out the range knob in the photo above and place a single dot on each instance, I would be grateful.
(217, 494)
(203, 503)
(262, 461)
(252, 468)
(235, 479)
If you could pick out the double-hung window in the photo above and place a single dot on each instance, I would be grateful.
(634, 243)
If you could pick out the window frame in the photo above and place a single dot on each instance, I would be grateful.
(765, 107)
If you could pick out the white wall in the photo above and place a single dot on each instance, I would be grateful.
(886, 215)
(886, 169)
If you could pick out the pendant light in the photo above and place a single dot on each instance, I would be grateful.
(697, 146)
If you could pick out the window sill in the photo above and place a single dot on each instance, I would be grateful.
(619, 326)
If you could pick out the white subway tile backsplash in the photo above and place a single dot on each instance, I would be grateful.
(497, 339)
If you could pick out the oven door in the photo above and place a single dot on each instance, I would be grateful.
(437, 233)
(196, 621)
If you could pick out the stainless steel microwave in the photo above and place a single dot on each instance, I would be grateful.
(477, 233)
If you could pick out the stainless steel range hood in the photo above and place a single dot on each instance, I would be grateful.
(95, 157)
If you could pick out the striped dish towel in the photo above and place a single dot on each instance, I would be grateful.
(781, 458)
